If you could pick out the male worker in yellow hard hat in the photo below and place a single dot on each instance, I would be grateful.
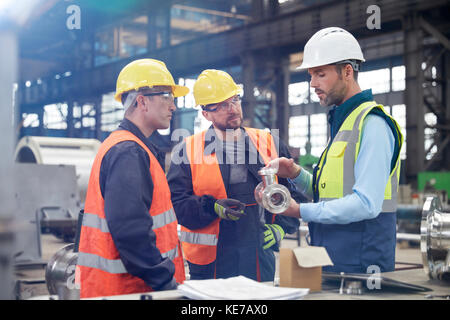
(354, 185)
(129, 241)
(224, 232)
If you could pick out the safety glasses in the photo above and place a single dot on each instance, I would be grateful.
(223, 106)
(166, 95)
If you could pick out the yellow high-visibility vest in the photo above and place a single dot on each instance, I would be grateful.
(335, 172)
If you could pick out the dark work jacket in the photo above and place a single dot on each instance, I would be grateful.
(372, 241)
(127, 188)
(239, 248)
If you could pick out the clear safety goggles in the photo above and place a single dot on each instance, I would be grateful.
(223, 106)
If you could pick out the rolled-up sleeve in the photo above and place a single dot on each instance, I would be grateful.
(127, 189)
(372, 170)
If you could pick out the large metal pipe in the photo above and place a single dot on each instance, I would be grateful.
(68, 151)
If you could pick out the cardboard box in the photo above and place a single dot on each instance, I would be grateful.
(302, 267)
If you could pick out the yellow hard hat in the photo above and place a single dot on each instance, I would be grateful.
(146, 73)
(214, 86)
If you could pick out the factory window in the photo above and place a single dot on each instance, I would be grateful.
(430, 121)
(188, 22)
(313, 96)
(55, 116)
(88, 118)
(76, 115)
(377, 80)
(125, 40)
(112, 112)
(30, 120)
(298, 131)
(201, 123)
(188, 100)
(399, 114)
(298, 93)
(398, 78)
(84, 116)
(319, 129)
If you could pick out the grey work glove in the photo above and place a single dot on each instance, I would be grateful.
(229, 209)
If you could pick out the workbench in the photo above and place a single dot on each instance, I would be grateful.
(331, 292)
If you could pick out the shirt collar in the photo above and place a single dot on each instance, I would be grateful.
(338, 114)
(211, 138)
(126, 124)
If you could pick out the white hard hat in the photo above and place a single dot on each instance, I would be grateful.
(330, 45)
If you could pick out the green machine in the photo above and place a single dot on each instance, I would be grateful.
(434, 180)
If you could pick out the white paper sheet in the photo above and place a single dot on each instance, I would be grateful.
(237, 288)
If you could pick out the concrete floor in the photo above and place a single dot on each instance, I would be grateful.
(50, 245)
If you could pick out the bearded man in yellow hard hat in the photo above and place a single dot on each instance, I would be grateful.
(129, 241)
(224, 232)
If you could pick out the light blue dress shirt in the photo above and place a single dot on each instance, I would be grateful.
(372, 170)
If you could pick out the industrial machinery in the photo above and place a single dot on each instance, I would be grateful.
(60, 274)
(54, 195)
(60, 270)
(68, 151)
(47, 198)
(435, 239)
(434, 246)
(409, 217)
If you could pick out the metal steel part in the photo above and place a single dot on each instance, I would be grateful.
(68, 151)
(272, 196)
(47, 195)
(385, 282)
(408, 218)
(60, 274)
(353, 287)
(435, 240)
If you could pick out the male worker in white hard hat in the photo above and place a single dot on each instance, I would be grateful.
(224, 233)
(129, 241)
(354, 186)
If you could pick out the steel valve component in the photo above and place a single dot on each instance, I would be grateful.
(272, 196)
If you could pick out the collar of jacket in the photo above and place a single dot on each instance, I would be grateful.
(211, 138)
(338, 114)
(126, 124)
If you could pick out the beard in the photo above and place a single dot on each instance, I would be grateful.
(335, 95)
(232, 123)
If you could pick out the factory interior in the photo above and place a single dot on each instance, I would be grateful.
(59, 63)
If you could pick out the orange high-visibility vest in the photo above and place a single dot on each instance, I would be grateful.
(101, 271)
(199, 246)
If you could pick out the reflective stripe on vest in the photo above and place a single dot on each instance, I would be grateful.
(115, 265)
(347, 142)
(199, 238)
(199, 246)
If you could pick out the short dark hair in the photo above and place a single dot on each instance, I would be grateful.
(340, 67)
